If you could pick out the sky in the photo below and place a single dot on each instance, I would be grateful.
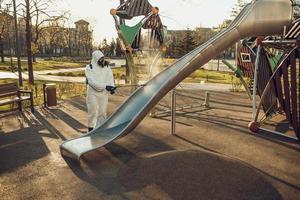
(175, 14)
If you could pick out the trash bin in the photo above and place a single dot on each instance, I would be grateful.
(50, 94)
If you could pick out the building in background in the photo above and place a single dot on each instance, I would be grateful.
(180, 42)
(60, 41)
(54, 39)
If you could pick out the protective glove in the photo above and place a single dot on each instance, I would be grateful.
(106, 63)
(110, 88)
(113, 90)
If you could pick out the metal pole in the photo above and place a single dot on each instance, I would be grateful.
(255, 81)
(17, 45)
(121, 21)
(280, 134)
(44, 94)
(206, 101)
(173, 112)
(236, 54)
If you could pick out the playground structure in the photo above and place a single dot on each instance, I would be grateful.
(267, 67)
(130, 36)
(284, 83)
(261, 17)
(182, 107)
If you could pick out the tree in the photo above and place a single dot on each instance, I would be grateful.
(42, 15)
(54, 38)
(67, 34)
(28, 41)
(84, 42)
(37, 11)
(175, 48)
(119, 51)
(225, 24)
(6, 21)
(184, 43)
(202, 34)
(112, 48)
(6, 27)
(239, 5)
(104, 47)
(189, 41)
(296, 4)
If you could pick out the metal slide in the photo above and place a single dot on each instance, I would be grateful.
(261, 17)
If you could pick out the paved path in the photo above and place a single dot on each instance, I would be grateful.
(213, 65)
(43, 76)
(212, 156)
(205, 86)
(5, 75)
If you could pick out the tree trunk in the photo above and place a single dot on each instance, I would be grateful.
(28, 43)
(1, 50)
(36, 49)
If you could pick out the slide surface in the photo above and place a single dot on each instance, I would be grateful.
(261, 17)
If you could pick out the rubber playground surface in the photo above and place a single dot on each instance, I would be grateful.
(212, 155)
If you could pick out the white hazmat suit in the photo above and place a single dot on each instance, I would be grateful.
(98, 77)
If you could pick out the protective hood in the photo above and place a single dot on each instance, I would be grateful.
(96, 56)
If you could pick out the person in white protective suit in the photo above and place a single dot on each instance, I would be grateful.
(100, 82)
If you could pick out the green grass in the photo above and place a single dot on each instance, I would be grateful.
(118, 72)
(42, 65)
(67, 90)
(3, 81)
(63, 90)
(72, 74)
(196, 77)
(210, 76)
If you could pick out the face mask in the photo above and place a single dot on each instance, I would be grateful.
(101, 62)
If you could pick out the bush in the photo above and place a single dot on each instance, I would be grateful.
(236, 84)
(63, 90)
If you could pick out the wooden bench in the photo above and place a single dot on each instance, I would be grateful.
(10, 94)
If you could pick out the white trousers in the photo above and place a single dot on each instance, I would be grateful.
(96, 106)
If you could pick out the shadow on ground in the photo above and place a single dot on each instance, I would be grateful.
(115, 170)
(70, 120)
(20, 147)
